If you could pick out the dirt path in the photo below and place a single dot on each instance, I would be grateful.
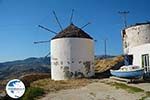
(96, 91)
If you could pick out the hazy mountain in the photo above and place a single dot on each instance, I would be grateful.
(17, 68)
(21, 67)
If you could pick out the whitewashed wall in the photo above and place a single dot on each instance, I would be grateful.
(135, 36)
(138, 51)
(70, 58)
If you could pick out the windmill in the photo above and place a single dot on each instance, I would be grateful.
(60, 26)
(72, 51)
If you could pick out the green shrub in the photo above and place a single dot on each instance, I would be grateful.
(130, 89)
(33, 92)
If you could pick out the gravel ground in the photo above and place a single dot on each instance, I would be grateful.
(98, 90)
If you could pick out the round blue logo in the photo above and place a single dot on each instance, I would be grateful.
(15, 88)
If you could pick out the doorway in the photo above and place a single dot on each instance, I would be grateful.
(128, 60)
(145, 63)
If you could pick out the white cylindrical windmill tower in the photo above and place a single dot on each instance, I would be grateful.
(136, 46)
(72, 54)
(135, 35)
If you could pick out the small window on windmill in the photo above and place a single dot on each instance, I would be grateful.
(56, 63)
(125, 44)
(124, 33)
(61, 67)
(61, 62)
(146, 38)
(72, 61)
(68, 62)
(87, 65)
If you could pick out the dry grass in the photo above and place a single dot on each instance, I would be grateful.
(3, 85)
(53, 86)
(106, 64)
(29, 78)
(3, 82)
(146, 96)
(130, 89)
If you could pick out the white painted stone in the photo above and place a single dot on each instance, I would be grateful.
(137, 53)
(68, 55)
(135, 36)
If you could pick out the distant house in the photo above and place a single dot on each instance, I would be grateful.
(136, 45)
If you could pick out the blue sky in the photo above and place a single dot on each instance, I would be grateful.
(19, 20)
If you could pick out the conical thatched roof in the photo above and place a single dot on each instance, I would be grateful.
(72, 31)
